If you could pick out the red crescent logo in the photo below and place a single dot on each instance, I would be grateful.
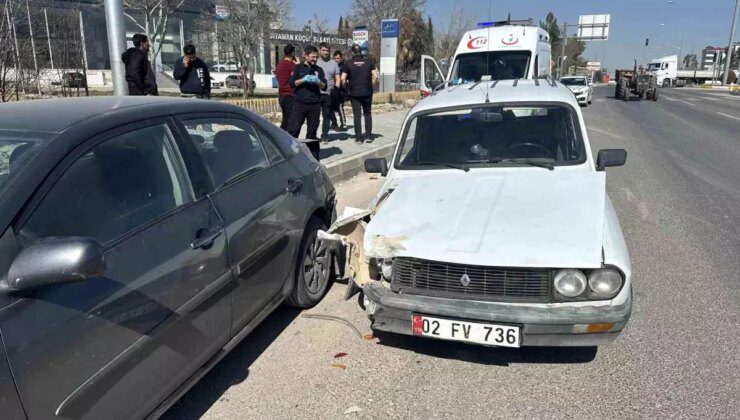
(511, 40)
(477, 42)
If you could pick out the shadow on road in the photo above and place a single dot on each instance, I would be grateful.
(233, 369)
(327, 152)
(497, 356)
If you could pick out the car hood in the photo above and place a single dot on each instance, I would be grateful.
(577, 88)
(515, 219)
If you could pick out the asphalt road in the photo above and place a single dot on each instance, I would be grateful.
(678, 200)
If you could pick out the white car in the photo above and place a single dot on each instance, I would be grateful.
(581, 87)
(493, 225)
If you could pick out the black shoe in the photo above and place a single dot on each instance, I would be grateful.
(324, 138)
(358, 139)
(369, 138)
(334, 127)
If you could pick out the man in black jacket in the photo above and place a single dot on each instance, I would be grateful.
(139, 73)
(307, 80)
(193, 74)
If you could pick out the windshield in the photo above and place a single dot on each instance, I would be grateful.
(573, 81)
(492, 136)
(14, 155)
(654, 66)
(499, 65)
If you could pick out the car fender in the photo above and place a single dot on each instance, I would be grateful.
(615, 252)
(10, 402)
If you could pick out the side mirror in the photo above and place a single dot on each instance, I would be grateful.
(610, 157)
(56, 261)
(376, 166)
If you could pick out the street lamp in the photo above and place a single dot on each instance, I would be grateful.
(729, 45)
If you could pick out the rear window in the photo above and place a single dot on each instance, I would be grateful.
(493, 136)
(14, 156)
(500, 65)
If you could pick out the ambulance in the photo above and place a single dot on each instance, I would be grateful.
(494, 51)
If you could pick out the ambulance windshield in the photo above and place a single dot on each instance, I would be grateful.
(499, 65)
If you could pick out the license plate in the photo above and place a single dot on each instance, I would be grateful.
(471, 332)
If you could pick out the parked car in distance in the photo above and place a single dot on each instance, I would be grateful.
(215, 84)
(581, 87)
(118, 289)
(74, 79)
(228, 66)
(237, 82)
(493, 225)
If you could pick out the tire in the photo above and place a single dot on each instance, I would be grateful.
(313, 269)
(623, 92)
(666, 82)
(654, 96)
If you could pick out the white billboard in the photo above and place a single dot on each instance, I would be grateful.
(593, 27)
(593, 65)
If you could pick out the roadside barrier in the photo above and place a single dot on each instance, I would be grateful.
(265, 105)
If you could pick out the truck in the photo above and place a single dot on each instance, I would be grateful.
(495, 51)
(665, 69)
(635, 82)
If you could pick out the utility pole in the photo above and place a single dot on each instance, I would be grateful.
(728, 59)
(564, 40)
(48, 39)
(116, 44)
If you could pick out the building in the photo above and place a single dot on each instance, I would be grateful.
(714, 57)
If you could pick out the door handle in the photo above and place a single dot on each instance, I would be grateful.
(294, 185)
(206, 237)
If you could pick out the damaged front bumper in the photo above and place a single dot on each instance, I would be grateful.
(541, 326)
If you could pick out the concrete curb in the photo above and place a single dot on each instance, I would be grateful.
(346, 168)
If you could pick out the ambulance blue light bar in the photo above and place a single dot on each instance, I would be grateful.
(485, 24)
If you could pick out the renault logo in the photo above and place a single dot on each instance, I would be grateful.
(465, 280)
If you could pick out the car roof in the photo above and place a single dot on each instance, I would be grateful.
(56, 115)
(501, 91)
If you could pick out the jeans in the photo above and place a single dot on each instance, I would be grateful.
(337, 105)
(326, 114)
(365, 103)
(311, 114)
(286, 106)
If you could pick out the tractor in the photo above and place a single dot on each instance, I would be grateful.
(635, 82)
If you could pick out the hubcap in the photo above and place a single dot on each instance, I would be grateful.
(316, 265)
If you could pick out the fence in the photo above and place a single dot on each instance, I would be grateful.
(265, 105)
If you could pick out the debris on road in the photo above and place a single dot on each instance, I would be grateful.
(353, 409)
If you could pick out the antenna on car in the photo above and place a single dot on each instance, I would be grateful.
(488, 50)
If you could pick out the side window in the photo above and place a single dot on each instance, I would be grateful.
(536, 66)
(409, 143)
(120, 184)
(273, 153)
(230, 147)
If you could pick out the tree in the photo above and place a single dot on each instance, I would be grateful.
(151, 16)
(448, 37)
(243, 31)
(690, 62)
(573, 47)
(371, 12)
(413, 40)
(317, 24)
(340, 26)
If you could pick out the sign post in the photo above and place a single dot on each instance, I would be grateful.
(590, 28)
(389, 30)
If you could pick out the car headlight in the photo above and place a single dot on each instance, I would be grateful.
(605, 282)
(570, 283)
(386, 268)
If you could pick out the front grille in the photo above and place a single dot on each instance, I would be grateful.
(432, 278)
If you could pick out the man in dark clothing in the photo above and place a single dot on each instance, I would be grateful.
(338, 96)
(307, 81)
(282, 73)
(360, 75)
(193, 74)
(139, 74)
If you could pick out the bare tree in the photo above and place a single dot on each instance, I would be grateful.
(448, 37)
(371, 12)
(318, 24)
(243, 30)
(151, 16)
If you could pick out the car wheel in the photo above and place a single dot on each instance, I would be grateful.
(666, 82)
(314, 269)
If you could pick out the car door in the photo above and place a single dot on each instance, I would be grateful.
(117, 345)
(258, 194)
(431, 76)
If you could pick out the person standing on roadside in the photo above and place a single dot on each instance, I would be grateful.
(139, 74)
(307, 81)
(283, 71)
(193, 75)
(360, 74)
(338, 96)
(333, 81)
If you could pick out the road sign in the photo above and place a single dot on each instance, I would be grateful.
(389, 28)
(593, 27)
(361, 37)
(593, 65)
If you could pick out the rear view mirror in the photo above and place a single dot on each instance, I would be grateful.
(376, 166)
(610, 157)
(56, 261)
(486, 115)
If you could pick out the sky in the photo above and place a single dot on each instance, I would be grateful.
(698, 23)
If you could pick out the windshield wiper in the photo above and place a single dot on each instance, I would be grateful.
(462, 166)
(540, 162)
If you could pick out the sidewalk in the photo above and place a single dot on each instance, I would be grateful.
(343, 158)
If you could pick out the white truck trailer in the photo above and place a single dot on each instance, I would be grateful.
(667, 72)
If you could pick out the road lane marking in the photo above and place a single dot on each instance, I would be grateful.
(729, 116)
(678, 100)
(606, 133)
